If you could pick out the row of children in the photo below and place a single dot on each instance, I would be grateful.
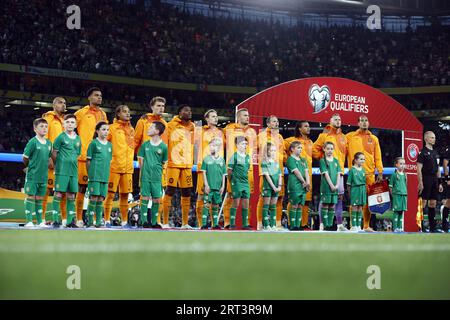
(152, 157)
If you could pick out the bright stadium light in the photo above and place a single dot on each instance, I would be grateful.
(356, 2)
(43, 104)
(7, 105)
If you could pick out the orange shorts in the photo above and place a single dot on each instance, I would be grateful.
(51, 179)
(179, 177)
(82, 173)
(122, 180)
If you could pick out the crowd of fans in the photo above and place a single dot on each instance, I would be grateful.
(166, 44)
(15, 133)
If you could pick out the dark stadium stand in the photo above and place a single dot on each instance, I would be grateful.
(166, 44)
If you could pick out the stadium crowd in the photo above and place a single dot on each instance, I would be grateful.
(166, 44)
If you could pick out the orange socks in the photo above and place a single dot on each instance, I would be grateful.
(79, 205)
(108, 206)
(199, 212)
(185, 204)
(167, 203)
(226, 211)
(123, 206)
(366, 213)
(305, 212)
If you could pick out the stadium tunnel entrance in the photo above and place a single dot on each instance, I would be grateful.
(317, 99)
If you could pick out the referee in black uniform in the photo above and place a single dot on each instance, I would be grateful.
(446, 182)
(429, 176)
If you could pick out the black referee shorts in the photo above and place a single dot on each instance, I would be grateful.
(430, 188)
(447, 188)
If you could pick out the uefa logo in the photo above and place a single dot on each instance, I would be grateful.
(412, 152)
(319, 97)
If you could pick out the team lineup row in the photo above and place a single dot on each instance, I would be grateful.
(100, 157)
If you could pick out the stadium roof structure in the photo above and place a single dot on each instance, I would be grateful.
(348, 7)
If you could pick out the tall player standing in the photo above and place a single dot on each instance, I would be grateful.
(209, 132)
(55, 121)
(362, 140)
(233, 130)
(181, 158)
(302, 131)
(87, 119)
(271, 135)
(157, 105)
(121, 136)
(333, 133)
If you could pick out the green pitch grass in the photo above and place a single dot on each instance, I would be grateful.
(222, 265)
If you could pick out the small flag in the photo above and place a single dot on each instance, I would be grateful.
(419, 216)
(378, 197)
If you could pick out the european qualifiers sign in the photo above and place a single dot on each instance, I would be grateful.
(320, 98)
(349, 103)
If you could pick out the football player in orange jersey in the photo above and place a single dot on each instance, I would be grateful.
(121, 136)
(55, 121)
(302, 131)
(157, 105)
(180, 162)
(232, 130)
(271, 135)
(87, 119)
(208, 132)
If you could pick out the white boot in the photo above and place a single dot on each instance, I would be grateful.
(29, 225)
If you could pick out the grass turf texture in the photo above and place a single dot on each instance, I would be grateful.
(222, 265)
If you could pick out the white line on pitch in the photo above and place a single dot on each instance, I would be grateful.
(222, 247)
